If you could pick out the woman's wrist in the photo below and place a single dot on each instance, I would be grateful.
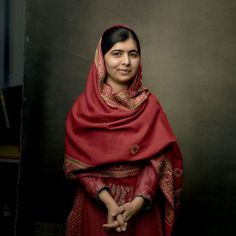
(106, 198)
(138, 203)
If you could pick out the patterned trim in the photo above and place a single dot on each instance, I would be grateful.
(76, 163)
(99, 62)
(113, 173)
(74, 168)
(123, 99)
(167, 181)
(120, 193)
(167, 175)
(169, 214)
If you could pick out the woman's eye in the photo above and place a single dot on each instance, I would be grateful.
(116, 54)
(134, 55)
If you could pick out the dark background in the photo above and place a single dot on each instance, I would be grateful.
(188, 54)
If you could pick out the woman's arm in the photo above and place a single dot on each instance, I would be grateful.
(116, 222)
(96, 188)
(92, 185)
(146, 185)
(145, 190)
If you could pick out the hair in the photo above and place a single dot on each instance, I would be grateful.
(117, 34)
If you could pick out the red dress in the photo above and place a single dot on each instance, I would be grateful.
(88, 214)
(124, 143)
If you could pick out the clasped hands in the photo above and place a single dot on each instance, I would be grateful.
(118, 216)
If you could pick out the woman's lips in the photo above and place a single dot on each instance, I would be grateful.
(125, 71)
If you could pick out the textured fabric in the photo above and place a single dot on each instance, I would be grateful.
(92, 185)
(145, 186)
(87, 216)
(105, 129)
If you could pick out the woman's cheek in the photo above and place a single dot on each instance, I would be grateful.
(113, 63)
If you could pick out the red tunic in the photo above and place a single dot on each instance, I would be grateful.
(88, 214)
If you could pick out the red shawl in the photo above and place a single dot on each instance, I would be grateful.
(104, 128)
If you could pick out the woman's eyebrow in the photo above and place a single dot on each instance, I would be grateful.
(134, 50)
(117, 50)
(120, 50)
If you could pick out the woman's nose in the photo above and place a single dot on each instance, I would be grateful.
(126, 59)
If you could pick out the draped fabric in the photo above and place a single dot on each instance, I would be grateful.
(104, 128)
(87, 216)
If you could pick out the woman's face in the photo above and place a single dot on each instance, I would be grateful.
(122, 62)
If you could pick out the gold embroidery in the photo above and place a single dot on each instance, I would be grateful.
(167, 182)
(164, 170)
(98, 59)
(113, 173)
(169, 216)
(121, 194)
(76, 163)
(74, 168)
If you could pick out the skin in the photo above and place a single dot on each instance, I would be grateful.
(122, 62)
(118, 216)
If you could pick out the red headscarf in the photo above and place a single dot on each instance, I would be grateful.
(104, 127)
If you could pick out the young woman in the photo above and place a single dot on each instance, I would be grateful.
(120, 149)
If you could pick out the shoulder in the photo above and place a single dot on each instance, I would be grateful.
(154, 100)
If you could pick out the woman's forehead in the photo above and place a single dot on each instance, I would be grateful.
(127, 45)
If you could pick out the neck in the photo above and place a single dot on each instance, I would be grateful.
(117, 87)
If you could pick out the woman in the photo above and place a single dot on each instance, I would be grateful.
(120, 149)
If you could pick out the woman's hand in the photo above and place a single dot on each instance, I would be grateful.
(116, 223)
(125, 212)
(129, 209)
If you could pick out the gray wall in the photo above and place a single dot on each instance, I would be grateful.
(2, 41)
(17, 26)
(189, 63)
(11, 42)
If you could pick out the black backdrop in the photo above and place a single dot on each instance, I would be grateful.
(189, 63)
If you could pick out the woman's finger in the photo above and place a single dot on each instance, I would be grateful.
(118, 229)
(126, 216)
(121, 222)
(112, 225)
(118, 211)
(109, 227)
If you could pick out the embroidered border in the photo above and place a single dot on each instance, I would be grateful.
(167, 181)
(113, 173)
(74, 168)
